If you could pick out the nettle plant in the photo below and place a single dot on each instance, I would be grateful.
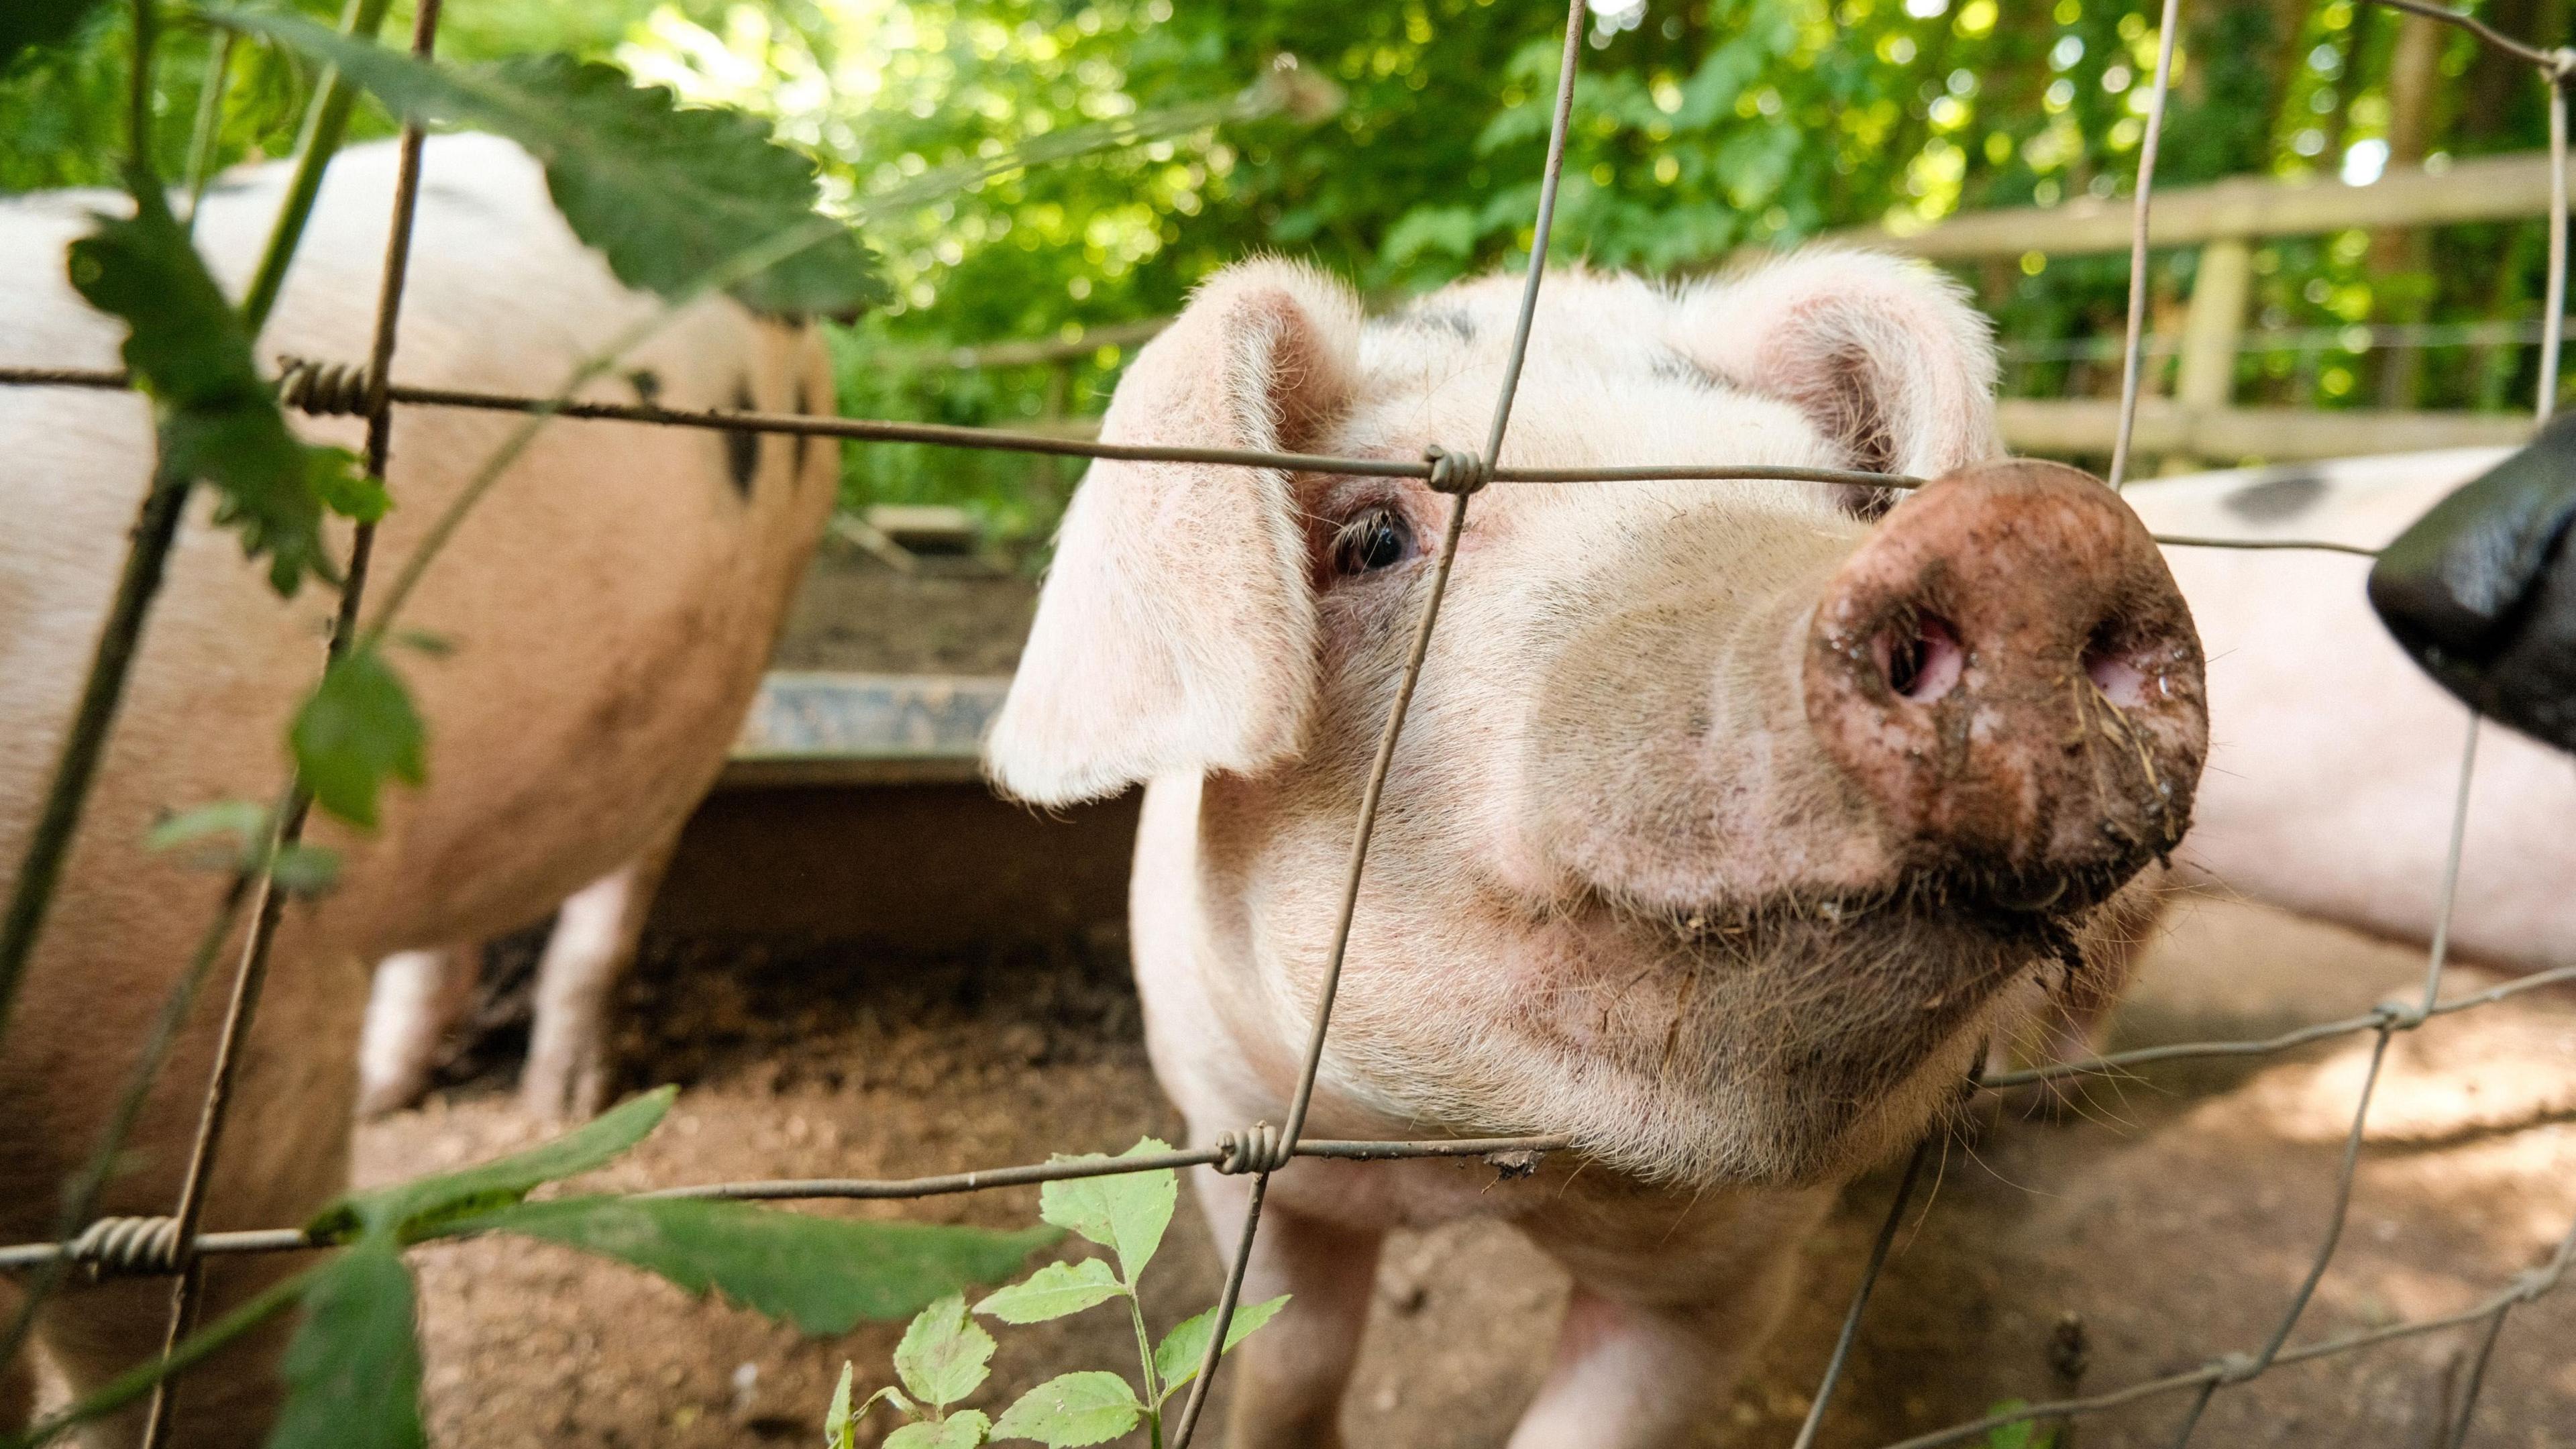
(945, 1355)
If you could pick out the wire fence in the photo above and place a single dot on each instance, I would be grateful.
(175, 1246)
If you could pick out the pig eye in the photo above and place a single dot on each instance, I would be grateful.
(1374, 539)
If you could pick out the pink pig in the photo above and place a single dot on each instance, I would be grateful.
(1730, 823)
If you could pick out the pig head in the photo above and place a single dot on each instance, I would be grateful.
(1730, 817)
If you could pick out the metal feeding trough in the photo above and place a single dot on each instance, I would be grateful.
(853, 808)
(827, 727)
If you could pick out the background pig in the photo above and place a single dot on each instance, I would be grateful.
(611, 604)
(1726, 827)
(2334, 761)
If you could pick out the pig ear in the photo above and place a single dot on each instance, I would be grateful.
(1884, 355)
(1177, 628)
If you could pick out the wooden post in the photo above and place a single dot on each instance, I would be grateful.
(2210, 331)
(1046, 470)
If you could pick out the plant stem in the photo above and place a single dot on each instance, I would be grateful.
(135, 1382)
(209, 127)
(326, 121)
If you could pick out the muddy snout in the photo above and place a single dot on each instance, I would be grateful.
(2006, 670)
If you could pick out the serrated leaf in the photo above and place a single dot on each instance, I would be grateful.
(822, 1274)
(1176, 1358)
(665, 193)
(353, 1370)
(961, 1430)
(25, 24)
(218, 420)
(358, 730)
(1072, 1410)
(1125, 1213)
(429, 1206)
(1054, 1291)
(943, 1355)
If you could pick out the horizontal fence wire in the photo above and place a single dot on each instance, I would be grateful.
(325, 400)
(154, 1245)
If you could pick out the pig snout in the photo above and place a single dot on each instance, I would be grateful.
(2006, 671)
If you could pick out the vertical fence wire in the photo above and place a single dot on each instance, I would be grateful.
(2553, 325)
(2131, 346)
(187, 1295)
(1460, 478)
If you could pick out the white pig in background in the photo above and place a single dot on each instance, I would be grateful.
(421, 995)
(2334, 762)
(1731, 819)
(611, 605)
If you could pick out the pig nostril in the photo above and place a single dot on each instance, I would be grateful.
(1924, 662)
(2109, 667)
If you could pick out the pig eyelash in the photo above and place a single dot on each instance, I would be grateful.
(1374, 538)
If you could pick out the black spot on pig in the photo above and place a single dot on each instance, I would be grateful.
(1452, 320)
(2278, 497)
(1671, 366)
(742, 447)
(647, 384)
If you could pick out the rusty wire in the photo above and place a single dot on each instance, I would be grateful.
(172, 1246)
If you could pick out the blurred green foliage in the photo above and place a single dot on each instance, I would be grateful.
(1701, 126)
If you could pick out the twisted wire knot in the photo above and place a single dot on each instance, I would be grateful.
(1459, 473)
(128, 1245)
(1257, 1148)
(326, 389)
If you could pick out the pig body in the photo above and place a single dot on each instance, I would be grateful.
(1727, 825)
(610, 605)
(2334, 761)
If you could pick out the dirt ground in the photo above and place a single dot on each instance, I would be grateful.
(2174, 1216)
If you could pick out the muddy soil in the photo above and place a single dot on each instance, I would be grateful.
(2174, 1215)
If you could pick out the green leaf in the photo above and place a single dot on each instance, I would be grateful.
(822, 1274)
(353, 1371)
(339, 478)
(430, 1206)
(665, 193)
(1071, 1410)
(2024, 1434)
(1125, 1213)
(358, 730)
(1054, 1291)
(839, 1432)
(25, 24)
(943, 1354)
(305, 870)
(218, 419)
(244, 821)
(962, 1430)
(1176, 1358)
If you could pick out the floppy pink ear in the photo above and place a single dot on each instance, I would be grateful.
(1176, 631)
(1884, 355)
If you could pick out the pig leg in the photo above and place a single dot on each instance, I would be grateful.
(592, 946)
(1662, 1326)
(1288, 1378)
(418, 997)
(18, 1375)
